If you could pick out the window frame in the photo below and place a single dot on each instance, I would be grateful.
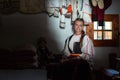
(114, 18)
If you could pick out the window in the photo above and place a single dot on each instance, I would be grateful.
(103, 32)
(106, 35)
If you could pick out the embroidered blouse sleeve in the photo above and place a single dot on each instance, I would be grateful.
(87, 48)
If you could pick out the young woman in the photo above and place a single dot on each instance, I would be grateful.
(79, 43)
(77, 62)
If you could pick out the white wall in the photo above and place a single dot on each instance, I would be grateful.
(19, 29)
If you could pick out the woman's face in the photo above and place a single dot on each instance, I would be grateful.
(78, 26)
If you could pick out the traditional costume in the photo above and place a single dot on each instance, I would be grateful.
(65, 12)
(81, 9)
(87, 48)
(98, 10)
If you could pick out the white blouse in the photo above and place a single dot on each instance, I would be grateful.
(87, 48)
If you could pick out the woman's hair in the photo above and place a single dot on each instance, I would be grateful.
(78, 19)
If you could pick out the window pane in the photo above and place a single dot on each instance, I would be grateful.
(95, 35)
(99, 37)
(107, 34)
(108, 25)
(95, 25)
(99, 27)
